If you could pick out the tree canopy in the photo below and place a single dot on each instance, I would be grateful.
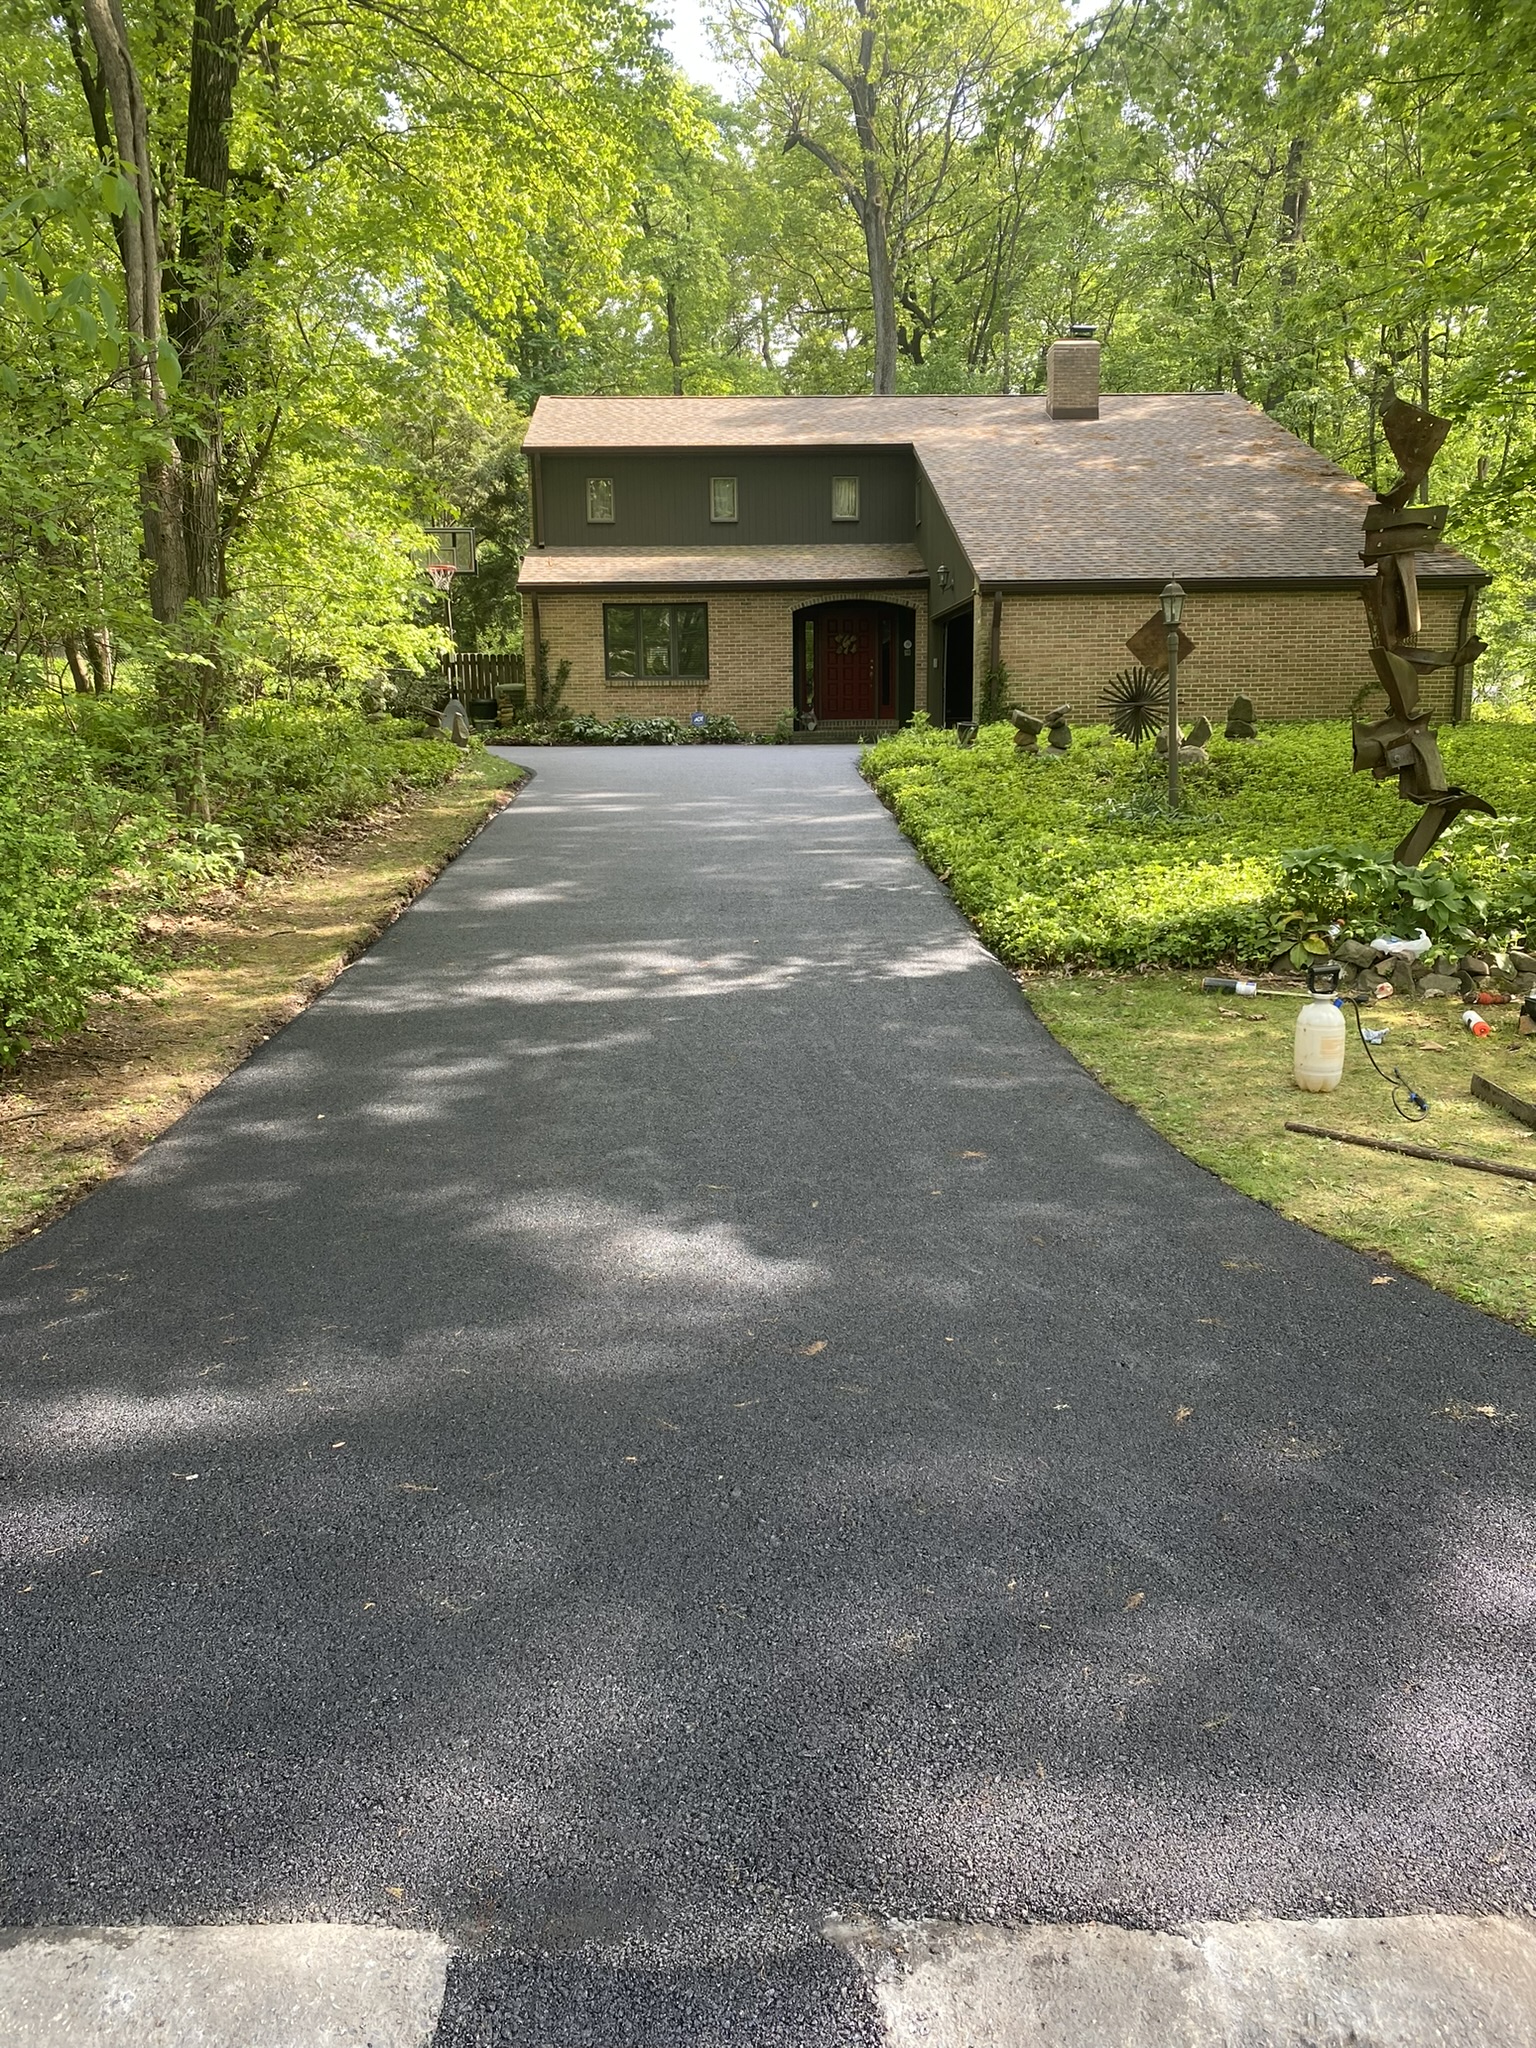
(279, 282)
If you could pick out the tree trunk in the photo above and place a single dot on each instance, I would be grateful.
(161, 483)
(1293, 209)
(674, 343)
(198, 310)
(882, 290)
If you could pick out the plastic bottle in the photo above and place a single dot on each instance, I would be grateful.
(1478, 1026)
(1319, 1060)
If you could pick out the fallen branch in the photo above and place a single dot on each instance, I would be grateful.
(1418, 1152)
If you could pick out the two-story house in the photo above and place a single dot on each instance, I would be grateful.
(858, 559)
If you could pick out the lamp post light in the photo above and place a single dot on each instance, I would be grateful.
(1173, 608)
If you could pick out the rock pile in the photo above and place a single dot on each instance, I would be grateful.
(1364, 967)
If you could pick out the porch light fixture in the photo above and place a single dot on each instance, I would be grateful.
(1172, 601)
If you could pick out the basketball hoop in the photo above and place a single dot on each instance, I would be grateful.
(441, 574)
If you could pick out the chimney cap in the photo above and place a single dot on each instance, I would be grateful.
(1081, 332)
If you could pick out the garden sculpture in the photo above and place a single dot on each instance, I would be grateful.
(1241, 723)
(1192, 744)
(1402, 744)
(1058, 734)
(1137, 702)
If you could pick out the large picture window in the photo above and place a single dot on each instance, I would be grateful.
(656, 643)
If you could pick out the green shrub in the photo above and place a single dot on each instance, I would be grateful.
(583, 730)
(106, 812)
(66, 932)
(1077, 859)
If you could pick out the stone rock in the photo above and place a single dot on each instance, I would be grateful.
(1353, 953)
(1439, 985)
(1474, 964)
(1241, 724)
(1348, 976)
(1194, 757)
(1522, 963)
(1199, 733)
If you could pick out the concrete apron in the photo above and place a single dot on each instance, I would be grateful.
(295, 1986)
(1429, 1981)
(1423, 1982)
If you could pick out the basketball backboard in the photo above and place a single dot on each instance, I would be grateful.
(451, 546)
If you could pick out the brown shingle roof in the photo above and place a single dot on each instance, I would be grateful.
(1204, 487)
(683, 568)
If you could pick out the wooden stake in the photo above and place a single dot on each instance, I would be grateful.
(1497, 1166)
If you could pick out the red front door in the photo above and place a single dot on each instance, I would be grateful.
(845, 663)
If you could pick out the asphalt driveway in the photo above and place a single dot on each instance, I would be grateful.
(665, 1406)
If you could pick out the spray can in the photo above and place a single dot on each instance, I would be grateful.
(1478, 1026)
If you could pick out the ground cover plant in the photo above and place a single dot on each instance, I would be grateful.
(1077, 859)
(108, 814)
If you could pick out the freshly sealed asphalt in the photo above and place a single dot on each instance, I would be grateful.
(665, 1407)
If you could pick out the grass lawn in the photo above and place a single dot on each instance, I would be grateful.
(1074, 864)
(1213, 1074)
(75, 1113)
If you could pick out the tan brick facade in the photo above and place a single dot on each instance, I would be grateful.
(751, 651)
(1297, 654)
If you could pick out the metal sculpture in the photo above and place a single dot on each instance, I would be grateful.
(1137, 703)
(1396, 531)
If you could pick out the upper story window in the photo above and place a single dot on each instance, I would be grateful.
(722, 500)
(599, 501)
(845, 497)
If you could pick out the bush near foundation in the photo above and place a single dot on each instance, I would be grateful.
(1075, 860)
(581, 729)
(107, 813)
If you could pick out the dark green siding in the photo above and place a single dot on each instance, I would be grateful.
(784, 498)
(938, 546)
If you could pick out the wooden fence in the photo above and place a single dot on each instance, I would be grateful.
(486, 683)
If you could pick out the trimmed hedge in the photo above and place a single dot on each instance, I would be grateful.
(1076, 859)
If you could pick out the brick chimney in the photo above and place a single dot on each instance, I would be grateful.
(1072, 376)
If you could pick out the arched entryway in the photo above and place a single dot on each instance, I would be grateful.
(854, 662)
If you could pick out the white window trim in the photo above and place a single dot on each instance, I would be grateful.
(732, 517)
(600, 518)
(845, 518)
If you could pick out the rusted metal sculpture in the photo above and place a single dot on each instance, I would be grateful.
(1402, 744)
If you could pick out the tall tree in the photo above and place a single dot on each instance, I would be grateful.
(290, 187)
(888, 98)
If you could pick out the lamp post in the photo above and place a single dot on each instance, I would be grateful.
(1173, 609)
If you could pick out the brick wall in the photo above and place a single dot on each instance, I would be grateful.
(751, 651)
(1297, 654)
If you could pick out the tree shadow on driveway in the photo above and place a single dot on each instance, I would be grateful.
(617, 1441)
